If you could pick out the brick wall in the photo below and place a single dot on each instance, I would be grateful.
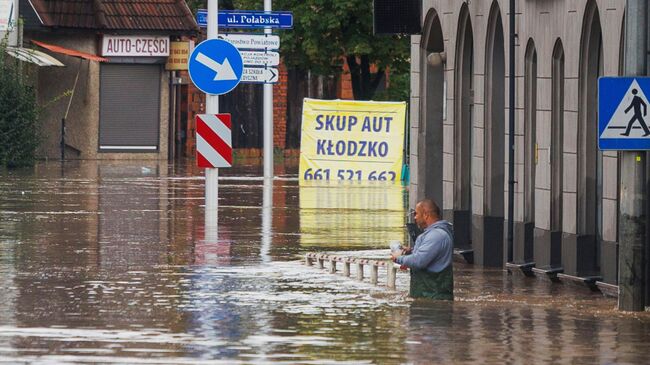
(196, 105)
(280, 109)
(345, 84)
(345, 81)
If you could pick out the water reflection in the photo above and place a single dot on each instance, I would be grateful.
(118, 263)
(131, 227)
(267, 220)
(351, 214)
(432, 325)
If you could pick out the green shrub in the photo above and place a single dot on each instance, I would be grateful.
(19, 127)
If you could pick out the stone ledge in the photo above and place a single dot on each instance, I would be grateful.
(549, 273)
(608, 290)
(526, 268)
(464, 255)
(581, 281)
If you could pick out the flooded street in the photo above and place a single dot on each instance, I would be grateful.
(107, 262)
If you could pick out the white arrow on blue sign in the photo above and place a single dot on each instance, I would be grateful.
(248, 19)
(215, 66)
(623, 118)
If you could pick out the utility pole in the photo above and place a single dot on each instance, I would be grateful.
(632, 232)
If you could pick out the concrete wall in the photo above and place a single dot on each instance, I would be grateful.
(82, 123)
(543, 22)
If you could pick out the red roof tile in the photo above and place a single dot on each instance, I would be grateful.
(116, 14)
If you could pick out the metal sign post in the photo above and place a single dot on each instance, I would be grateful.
(212, 107)
(255, 20)
(215, 67)
(268, 116)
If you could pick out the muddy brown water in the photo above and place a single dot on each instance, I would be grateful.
(107, 262)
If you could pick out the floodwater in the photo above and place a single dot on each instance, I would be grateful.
(106, 262)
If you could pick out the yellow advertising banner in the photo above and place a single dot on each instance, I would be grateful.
(352, 140)
(179, 53)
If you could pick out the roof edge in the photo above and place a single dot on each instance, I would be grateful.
(188, 15)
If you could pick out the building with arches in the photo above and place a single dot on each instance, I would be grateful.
(566, 190)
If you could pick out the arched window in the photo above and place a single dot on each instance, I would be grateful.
(530, 125)
(589, 159)
(557, 135)
(463, 106)
(430, 128)
(589, 188)
(494, 115)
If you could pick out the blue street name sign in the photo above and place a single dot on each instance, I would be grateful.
(624, 113)
(215, 66)
(248, 19)
(202, 17)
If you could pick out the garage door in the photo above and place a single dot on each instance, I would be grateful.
(129, 114)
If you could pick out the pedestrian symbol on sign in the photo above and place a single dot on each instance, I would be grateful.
(636, 103)
(623, 113)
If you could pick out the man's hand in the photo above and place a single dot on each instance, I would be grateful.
(395, 254)
(405, 251)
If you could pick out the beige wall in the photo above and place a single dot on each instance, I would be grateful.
(82, 123)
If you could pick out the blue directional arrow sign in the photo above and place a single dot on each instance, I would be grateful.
(623, 113)
(248, 19)
(215, 66)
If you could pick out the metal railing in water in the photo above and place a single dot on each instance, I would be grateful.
(321, 258)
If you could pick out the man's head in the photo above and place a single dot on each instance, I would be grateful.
(427, 212)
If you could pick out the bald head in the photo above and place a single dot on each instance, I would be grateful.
(427, 212)
(429, 206)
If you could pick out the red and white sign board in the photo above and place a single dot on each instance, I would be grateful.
(135, 46)
(213, 140)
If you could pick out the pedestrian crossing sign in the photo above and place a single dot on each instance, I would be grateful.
(623, 113)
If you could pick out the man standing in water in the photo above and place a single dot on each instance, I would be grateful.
(430, 260)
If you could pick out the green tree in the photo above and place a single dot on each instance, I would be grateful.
(327, 32)
(18, 115)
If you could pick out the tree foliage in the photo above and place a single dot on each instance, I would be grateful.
(328, 32)
(19, 137)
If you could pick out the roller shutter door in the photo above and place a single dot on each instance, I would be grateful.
(129, 113)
